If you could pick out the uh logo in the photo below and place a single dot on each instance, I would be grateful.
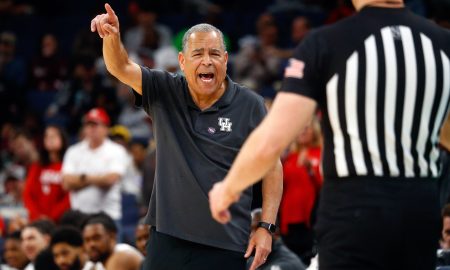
(225, 124)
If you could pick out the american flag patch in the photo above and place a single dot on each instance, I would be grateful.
(294, 69)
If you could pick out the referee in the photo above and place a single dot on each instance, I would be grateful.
(382, 80)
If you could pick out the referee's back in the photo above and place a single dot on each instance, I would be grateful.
(385, 93)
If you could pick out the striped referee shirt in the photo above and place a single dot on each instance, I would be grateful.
(382, 79)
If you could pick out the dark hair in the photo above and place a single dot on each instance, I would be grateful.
(14, 236)
(45, 155)
(22, 132)
(446, 211)
(101, 218)
(44, 261)
(74, 218)
(68, 235)
(44, 226)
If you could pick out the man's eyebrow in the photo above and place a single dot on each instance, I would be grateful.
(215, 50)
(197, 50)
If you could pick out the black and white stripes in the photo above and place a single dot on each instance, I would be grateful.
(405, 100)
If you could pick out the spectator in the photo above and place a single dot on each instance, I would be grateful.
(48, 70)
(36, 238)
(166, 58)
(445, 242)
(82, 92)
(147, 33)
(11, 205)
(132, 180)
(302, 182)
(16, 224)
(444, 143)
(67, 249)
(142, 235)
(44, 261)
(99, 235)
(74, 218)
(8, 132)
(13, 174)
(281, 258)
(443, 254)
(300, 27)
(257, 63)
(12, 77)
(15, 258)
(43, 187)
(24, 151)
(134, 119)
(12, 68)
(93, 168)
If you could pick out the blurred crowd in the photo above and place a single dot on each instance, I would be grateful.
(56, 98)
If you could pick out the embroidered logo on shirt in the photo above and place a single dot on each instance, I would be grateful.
(211, 130)
(294, 69)
(225, 124)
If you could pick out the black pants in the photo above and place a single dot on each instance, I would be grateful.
(378, 224)
(300, 240)
(165, 252)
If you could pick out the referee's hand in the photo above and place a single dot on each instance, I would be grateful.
(220, 199)
(106, 24)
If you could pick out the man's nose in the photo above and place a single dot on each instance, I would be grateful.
(206, 60)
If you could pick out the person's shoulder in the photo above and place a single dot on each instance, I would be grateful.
(246, 94)
(76, 147)
(162, 79)
(123, 247)
(113, 146)
(125, 250)
(160, 73)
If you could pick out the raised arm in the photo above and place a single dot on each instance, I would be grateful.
(114, 53)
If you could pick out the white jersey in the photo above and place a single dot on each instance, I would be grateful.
(109, 157)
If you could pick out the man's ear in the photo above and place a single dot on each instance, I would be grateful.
(181, 60)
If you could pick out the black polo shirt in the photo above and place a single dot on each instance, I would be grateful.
(195, 149)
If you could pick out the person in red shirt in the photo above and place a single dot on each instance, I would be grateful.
(44, 196)
(302, 181)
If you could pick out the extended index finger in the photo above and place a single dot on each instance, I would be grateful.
(109, 10)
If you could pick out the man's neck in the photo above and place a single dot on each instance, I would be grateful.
(379, 3)
(203, 102)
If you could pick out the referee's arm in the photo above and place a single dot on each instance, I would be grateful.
(116, 57)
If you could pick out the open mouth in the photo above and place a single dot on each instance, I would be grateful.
(206, 77)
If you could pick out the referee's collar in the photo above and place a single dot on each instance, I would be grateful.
(223, 101)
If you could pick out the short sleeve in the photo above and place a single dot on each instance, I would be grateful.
(301, 75)
(119, 161)
(68, 166)
(155, 84)
(258, 113)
